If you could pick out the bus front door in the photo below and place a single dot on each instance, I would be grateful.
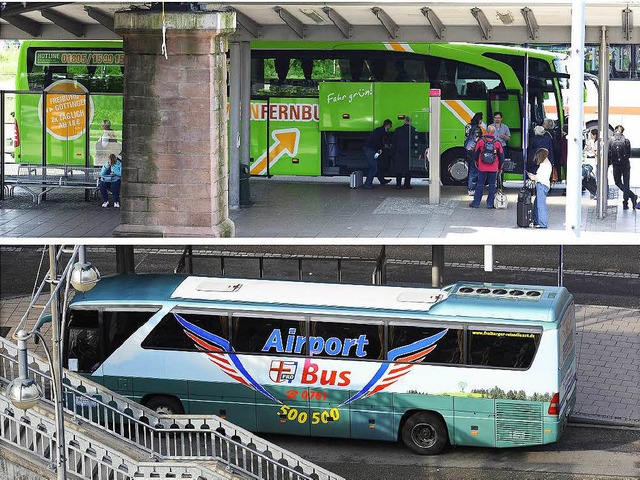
(508, 103)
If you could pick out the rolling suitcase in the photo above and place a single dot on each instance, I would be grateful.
(525, 208)
(355, 180)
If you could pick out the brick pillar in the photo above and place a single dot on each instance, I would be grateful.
(174, 181)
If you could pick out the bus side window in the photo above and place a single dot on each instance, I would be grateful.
(170, 335)
(356, 340)
(502, 349)
(119, 326)
(83, 354)
(261, 335)
(447, 350)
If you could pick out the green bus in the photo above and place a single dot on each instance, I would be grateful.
(314, 103)
(64, 89)
(475, 364)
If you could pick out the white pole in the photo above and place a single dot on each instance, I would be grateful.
(574, 139)
(434, 146)
(488, 258)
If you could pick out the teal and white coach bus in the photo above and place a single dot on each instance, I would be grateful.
(488, 365)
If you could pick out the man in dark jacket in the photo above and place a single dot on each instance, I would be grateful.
(404, 141)
(619, 154)
(374, 144)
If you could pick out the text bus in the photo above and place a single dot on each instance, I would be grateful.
(314, 103)
(472, 364)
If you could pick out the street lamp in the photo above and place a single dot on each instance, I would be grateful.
(23, 391)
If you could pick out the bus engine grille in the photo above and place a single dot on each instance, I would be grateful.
(518, 423)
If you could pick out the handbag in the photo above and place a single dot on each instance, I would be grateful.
(501, 201)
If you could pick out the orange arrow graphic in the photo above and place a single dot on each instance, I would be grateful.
(285, 142)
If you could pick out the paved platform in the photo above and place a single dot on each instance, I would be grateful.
(607, 346)
(326, 208)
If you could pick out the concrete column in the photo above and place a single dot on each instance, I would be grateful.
(175, 167)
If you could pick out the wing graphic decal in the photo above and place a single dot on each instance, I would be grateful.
(402, 359)
(222, 355)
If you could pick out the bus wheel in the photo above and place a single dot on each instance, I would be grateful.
(424, 433)
(453, 167)
(165, 405)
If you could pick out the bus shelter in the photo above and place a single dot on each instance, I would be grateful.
(394, 23)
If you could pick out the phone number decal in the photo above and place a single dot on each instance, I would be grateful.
(323, 416)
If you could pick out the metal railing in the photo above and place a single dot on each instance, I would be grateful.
(175, 437)
(186, 262)
(33, 432)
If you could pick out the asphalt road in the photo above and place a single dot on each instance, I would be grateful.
(583, 452)
(599, 275)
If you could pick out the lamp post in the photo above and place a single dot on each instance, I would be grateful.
(23, 391)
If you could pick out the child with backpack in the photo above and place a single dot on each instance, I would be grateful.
(489, 161)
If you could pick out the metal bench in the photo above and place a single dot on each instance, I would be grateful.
(39, 179)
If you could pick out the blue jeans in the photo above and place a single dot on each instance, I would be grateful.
(115, 190)
(483, 177)
(540, 210)
(472, 179)
(373, 165)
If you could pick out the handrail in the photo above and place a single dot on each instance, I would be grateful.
(33, 432)
(195, 437)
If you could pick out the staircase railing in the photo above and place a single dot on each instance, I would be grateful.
(194, 437)
(33, 433)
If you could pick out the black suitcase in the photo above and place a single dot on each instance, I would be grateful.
(524, 208)
(589, 183)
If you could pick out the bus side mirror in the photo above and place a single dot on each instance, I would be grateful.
(44, 319)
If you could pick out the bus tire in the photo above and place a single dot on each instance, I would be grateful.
(453, 167)
(164, 405)
(424, 433)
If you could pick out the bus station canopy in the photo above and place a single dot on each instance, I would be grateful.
(493, 21)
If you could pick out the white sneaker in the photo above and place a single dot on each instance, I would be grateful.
(116, 205)
(471, 193)
(105, 204)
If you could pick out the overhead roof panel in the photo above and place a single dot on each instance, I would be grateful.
(508, 25)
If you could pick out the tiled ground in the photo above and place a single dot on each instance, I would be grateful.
(329, 209)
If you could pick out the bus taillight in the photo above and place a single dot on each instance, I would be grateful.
(553, 408)
(16, 134)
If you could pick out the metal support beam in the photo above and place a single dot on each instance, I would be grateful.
(25, 24)
(573, 210)
(531, 22)
(250, 25)
(101, 17)
(483, 23)
(386, 21)
(437, 265)
(344, 26)
(434, 21)
(292, 22)
(64, 22)
(235, 73)
(603, 127)
(17, 8)
(245, 122)
(627, 24)
(125, 260)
